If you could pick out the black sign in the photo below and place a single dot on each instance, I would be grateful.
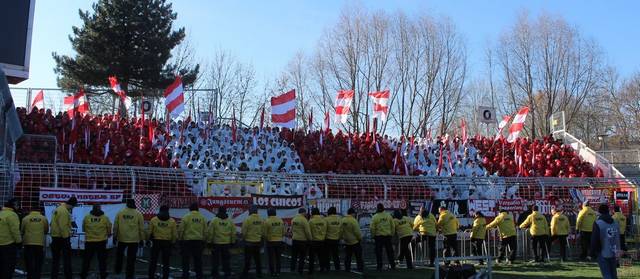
(623, 196)
(459, 208)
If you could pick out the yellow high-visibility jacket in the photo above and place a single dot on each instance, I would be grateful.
(192, 226)
(538, 223)
(96, 228)
(163, 230)
(300, 228)
(318, 228)
(403, 227)
(221, 231)
(9, 227)
(586, 218)
(506, 225)
(351, 230)
(622, 221)
(61, 222)
(382, 224)
(559, 224)
(34, 227)
(129, 226)
(273, 229)
(479, 228)
(447, 223)
(252, 228)
(425, 226)
(333, 227)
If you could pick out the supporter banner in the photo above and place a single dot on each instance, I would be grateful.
(595, 196)
(147, 204)
(459, 208)
(235, 205)
(414, 207)
(544, 206)
(84, 196)
(231, 188)
(487, 207)
(178, 201)
(512, 205)
(77, 216)
(341, 205)
(277, 201)
(370, 206)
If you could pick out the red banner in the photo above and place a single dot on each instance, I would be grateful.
(277, 201)
(513, 205)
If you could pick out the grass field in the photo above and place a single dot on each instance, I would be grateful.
(519, 270)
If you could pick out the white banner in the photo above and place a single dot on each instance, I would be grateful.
(84, 196)
(77, 215)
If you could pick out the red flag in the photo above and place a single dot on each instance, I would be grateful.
(38, 101)
(233, 126)
(262, 118)
(463, 127)
(326, 122)
(375, 131)
(368, 135)
(152, 127)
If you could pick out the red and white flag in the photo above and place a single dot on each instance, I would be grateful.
(174, 98)
(343, 105)
(38, 101)
(77, 102)
(283, 110)
(518, 124)
(380, 104)
(501, 125)
(115, 86)
(327, 123)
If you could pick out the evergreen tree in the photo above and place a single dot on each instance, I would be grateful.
(129, 39)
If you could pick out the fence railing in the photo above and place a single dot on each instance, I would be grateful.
(589, 155)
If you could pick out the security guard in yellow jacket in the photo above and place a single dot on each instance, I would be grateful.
(61, 227)
(425, 225)
(221, 234)
(560, 230)
(191, 233)
(507, 227)
(334, 227)
(163, 233)
(10, 238)
(252, 232)
(539, 233)
(318, 235)
(34, 227)
(478, 234)
(622, 221)
(382, 228)
(352, 237)
(300, 240)
(97, 229)
(128, 232)
(584, 225)
(273, 234)
(404, 230)
(448, 224)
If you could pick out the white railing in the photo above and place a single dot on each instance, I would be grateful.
(589, 155)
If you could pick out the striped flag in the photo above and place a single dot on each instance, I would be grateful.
(283, 110)
(343, 105)
(115, 86)
(174, 98)
(380, 106)
(77, 102)
(38, 101)
(501, 125)
(518, 124)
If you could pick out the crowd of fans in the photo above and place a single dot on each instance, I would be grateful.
(112, 140)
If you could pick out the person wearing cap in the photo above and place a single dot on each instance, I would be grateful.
(318, 235)
(351, 236)
(301, 235)
(404, 230)
(622, 221)
(273, 234)
(34, 227)
(221, 234)
(584, 225)
(560, 230)
(382, 228)
(507, 227)
(191, 232)
(605, 243)
(425, 225)
(539, 233)
(10, 238)
(478, 234)
(448, 225)
(60, 238)
(128, 232)
(163, 233)
(332, 240)
(97, 229)
(252, 232)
